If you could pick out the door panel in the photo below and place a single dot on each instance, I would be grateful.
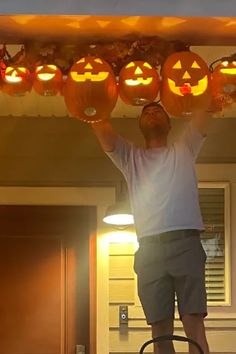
(31, 295)
(44, 272)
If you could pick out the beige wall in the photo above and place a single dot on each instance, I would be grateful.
(119, 283)
(64, 152)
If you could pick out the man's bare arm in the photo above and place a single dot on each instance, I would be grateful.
(106, 135)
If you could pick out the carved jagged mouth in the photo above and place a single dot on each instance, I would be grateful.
(46, 76)
(101, 76)
(14, 78)
(185, 89)
(229, 71)
(139, 81)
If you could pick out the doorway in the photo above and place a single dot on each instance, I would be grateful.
(46, 266)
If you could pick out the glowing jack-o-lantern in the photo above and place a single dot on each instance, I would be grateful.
(224, 84)
(90, 90)
(185, 84)
(17, 80)
(48, 80)
(138, 83)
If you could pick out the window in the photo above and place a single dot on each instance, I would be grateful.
(215, 206)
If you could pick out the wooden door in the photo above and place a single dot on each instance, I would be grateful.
(45, 297)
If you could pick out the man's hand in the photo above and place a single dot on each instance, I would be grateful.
(106, 135)
(201, 120)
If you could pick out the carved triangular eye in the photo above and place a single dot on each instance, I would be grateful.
(130, 65)
(195, 65)
(81, 60)
(9, 69)
(53, 67)
(177, 65)
(225, 63)
(146, 65)
(39, 68)
(22, 69)
(98, 61)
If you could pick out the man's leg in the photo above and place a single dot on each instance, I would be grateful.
(162, 328)
(194, 329)
(189, 274)
(156, 292)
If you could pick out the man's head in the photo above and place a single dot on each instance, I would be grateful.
(154, 122)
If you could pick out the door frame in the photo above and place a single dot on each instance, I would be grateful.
(100, 197)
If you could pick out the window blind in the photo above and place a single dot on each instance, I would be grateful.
(212, 204)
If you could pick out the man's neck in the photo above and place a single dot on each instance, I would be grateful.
(156, 143)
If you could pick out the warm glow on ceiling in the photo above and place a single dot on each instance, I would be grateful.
(172, 21)
(131, 21)
(22, 19)
(103, 24)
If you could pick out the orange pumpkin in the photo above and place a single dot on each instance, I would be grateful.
(185, 84)
(90, 90)
(224, 83)
(48, 80)
(17, 80)
(139, 83)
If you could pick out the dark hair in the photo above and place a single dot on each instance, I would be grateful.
(152, 104)
(156, 104)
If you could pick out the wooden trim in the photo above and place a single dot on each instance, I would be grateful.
(100, 197)
(93, 300)
(63, 302)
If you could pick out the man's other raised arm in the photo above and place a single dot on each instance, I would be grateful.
(105, 134)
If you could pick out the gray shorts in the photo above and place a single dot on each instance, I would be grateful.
(168, 264)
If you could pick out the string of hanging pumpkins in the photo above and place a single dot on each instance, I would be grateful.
(92, 79)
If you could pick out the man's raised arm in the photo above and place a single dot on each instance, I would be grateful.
(106, 135)
(201, 121)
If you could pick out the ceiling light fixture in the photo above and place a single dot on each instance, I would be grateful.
(119, 214)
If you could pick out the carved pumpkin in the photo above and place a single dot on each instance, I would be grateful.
(185, 84)
(17, 80)
(90, 90)
(224, 84)
(138, 83)
(48, 80)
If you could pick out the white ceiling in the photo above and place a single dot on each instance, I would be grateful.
(193, 30)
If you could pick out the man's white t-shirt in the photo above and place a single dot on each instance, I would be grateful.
(162, 183)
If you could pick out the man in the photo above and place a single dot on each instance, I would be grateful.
(164, 196)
